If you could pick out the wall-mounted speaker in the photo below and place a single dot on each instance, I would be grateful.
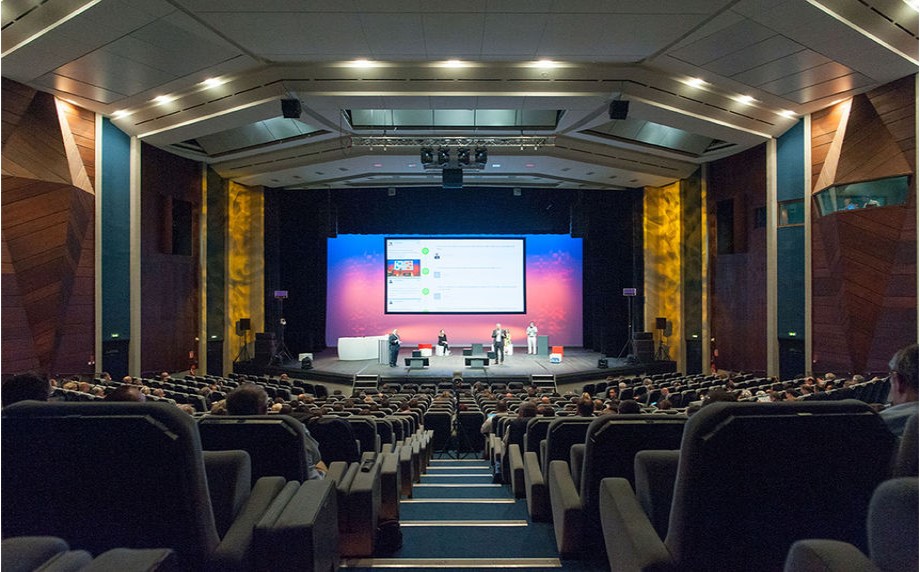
(452, 178)
(619, 109)
(245, 324)
(291, 109)
(603, 363)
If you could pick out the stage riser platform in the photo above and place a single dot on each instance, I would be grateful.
(578, 366)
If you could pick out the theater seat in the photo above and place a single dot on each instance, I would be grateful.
(892, 530)
(738, 499)
(561, 435)
(132, 475)
(610, 448)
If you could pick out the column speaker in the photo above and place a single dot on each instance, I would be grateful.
(291, 109)
(619, 109)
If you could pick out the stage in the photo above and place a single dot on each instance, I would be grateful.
(578, 366)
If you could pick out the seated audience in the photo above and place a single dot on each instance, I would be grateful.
(903, 394)
(251, 399)
(629, 406)
(126, 393)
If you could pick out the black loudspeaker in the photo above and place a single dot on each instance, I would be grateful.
(291, 109)
(602, 363)
(265, 347)
(245, 324)
(642, 336)
(306, 363)
(452, 178)
(619, 109)
(661, 323)
(644, 350)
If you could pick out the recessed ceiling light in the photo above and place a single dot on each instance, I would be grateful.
(787, 113)
(411, 165)
(529, 165)
(694, 82)
(363, 63)
(454, 64)
(545, 64)
(120, 113)
(496, 165)
(378, 164)
(161, 99)
(213, 82)
(745, 99)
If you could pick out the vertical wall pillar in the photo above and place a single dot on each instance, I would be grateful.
(97, 291)
(706, 329)
(806, 196)
(202, 346)
(772, 226)
(134, 348)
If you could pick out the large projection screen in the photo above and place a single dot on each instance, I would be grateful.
(446, 275)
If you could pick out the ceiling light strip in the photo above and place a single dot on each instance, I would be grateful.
(207, 117)
(699, 116)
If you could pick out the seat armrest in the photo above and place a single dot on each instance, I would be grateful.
(577, 462)
(543, 464)
(336, 471)
(137, 559)
(229, 475)
(390, 483)
(516, 470)
(535, 487)
(235, 545)
(826, 556)
(630, 538)
(656, 472)
(566, 507)
(300, 531)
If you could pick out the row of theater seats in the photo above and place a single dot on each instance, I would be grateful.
(730, 488)
(222, 493)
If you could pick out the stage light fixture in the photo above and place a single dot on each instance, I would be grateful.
(463, 157)
(481, 157)
(443, 157)
(426, 156)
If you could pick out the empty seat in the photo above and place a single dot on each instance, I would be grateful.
(737, 498)
(152, 452)
(532, 473)
(610, 448)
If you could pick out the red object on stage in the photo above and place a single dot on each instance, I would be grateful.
(557, 350)
(425, 346)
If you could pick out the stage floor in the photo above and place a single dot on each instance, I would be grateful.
(578, 366)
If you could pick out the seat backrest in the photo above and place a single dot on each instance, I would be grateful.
(440, 423)
(276, 443)
(105, 475)
(611, 444)
(892, 525)
(561, 434)
(739, 501)
(536, 432)
(470, 423)
(365, 429)
(907, 461)
(336, 439)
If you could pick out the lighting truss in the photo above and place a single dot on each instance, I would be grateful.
(522, 141)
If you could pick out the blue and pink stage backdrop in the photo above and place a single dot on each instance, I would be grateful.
(356, 288)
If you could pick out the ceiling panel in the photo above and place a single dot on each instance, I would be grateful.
(77, 88)
(639, 6)
(829, 88)
(723, 42)
(112, 72)
(781, 67)
(613, 37)
(398, 6)
(812, 76)
(393, 35)
(514, 37)
(518, 6)
(770, 49)
(294, 34)
(265, 6)
(453, 34)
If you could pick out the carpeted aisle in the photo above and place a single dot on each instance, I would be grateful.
(459, 520)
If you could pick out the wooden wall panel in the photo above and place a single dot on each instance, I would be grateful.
(48, 234)
(864, 274)
(169, 282)
(737, 282)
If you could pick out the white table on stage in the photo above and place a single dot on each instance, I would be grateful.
(358, 348)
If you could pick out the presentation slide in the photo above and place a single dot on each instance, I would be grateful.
(436, 275)
(356, 291)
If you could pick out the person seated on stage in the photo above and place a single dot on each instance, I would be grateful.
(251, 399)
(442, 341)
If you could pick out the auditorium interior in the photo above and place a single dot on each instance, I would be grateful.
(707, 210)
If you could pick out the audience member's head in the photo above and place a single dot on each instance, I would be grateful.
(719, 394)
(24, 387)
(126, 393)
(247, 399)
(628, 406)
(501, 406)
(527, 409)
(546, 410)
(903, 367)
(585, 407)
(664, 405)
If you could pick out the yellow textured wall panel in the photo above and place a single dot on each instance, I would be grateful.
(662, 234)
(245, 258)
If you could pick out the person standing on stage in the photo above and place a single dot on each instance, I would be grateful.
(532, 339)
(442, 341)
(498, 343)
(394, 347)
